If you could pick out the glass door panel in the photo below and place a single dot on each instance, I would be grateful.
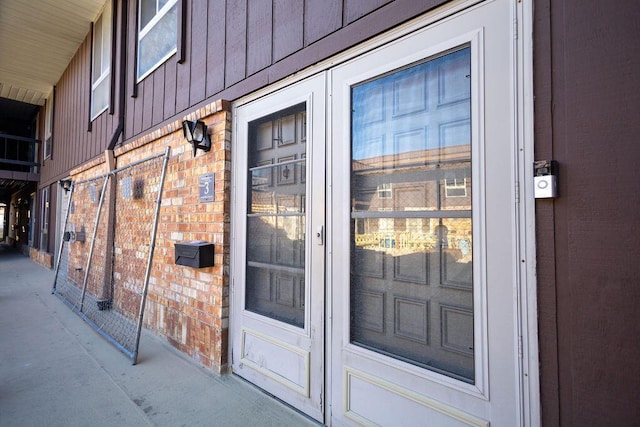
(411, 226)
(276, 221)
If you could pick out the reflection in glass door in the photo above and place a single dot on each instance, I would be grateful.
(411, 225)
(275, 268)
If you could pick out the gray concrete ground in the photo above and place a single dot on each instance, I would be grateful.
(55, 370)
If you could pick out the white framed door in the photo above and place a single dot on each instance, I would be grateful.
(278, 207)
(423, 228)
(61, 216)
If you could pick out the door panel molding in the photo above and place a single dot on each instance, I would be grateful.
(273, 358)
(436, 412)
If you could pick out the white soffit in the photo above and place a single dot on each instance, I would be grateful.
(38, 38)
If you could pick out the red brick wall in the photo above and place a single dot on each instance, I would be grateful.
(42, 258)
(188, 306)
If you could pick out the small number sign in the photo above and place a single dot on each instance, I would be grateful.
(205, 184)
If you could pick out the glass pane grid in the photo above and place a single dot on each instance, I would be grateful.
(411, 249)
(276, 219)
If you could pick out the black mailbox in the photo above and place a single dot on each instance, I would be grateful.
(197, 253)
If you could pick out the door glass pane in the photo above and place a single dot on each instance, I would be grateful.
(276, 216)
(411, 229)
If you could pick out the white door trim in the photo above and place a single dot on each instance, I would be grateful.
(526, 210)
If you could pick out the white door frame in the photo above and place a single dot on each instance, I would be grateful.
(528, 314)
(524, 135)
(298, 378)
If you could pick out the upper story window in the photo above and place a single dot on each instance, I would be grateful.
(101, 63)
(48, 127)
(157, 34)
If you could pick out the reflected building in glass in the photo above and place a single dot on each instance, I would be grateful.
(412, 236)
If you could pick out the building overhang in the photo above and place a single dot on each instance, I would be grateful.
(38, 39)
(11, 182)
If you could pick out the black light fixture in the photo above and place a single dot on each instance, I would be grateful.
(196, 134)
(65, 184)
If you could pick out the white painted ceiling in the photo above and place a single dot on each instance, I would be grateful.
(38, 38)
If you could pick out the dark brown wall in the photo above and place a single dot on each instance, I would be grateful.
(587, 89)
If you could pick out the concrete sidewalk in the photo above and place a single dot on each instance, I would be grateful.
(55, 370)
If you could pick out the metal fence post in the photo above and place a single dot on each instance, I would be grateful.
(93, 242)
(64, 227)
(152, 246)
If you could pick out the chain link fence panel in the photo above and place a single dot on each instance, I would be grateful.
(107, 248)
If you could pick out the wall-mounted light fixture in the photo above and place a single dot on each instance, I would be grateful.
(65, 184)
(196, 134)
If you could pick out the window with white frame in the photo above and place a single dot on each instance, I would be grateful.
(157, 34)
(455, 187)
(48, 127)
(101, 63)
(384, 191)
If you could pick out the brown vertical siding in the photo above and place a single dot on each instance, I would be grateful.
(95, 133)
(198, 51)
(137, 108)
(83, 66)
(147, 98)
(216, 41)
(236, 42)
(288, 32)
(587, 97)
(259, 35)
(314, 28)
(69, 155)
(183, 79)
(356, 9)
(157, 115)
(170, 75)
